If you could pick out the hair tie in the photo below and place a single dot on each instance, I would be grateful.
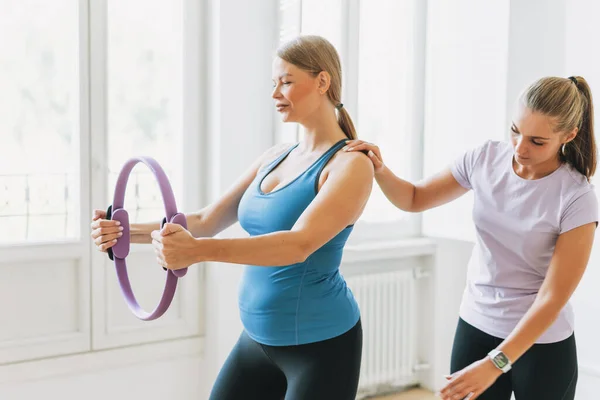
(573, 79)
(339, 106)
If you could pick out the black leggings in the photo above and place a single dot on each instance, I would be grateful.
(544, 372)
(316, 371)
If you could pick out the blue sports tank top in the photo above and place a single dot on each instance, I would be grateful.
(300, 303)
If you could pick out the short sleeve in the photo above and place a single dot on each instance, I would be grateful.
(463, 166)
(581, 211)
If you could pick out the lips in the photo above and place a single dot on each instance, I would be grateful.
(281, 107)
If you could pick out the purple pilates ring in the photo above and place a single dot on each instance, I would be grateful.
(120, 250)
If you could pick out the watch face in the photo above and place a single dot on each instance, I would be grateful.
(500, 360)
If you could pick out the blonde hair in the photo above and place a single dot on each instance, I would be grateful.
(569, 100)
(315, 54)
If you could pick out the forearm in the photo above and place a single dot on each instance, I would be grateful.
(199, 225)
(140, 232)
(534, 323)
(271, 250)
(398, 191)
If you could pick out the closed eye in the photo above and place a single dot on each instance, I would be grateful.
(515, 132)
(283, 83)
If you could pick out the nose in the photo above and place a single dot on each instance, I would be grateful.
(521, 146)
(276, 94)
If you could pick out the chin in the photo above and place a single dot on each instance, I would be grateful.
(525, 161)
(287, 118)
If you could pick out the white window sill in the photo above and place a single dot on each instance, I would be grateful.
(74, 364)
(389, 250)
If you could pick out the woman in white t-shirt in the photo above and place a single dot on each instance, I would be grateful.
(535, 214)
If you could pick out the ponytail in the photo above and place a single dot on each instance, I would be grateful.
(346, 122)
(581, 152)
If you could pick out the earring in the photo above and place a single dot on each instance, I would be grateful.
(563, 149)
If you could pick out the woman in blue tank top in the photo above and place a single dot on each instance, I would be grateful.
(302, 336)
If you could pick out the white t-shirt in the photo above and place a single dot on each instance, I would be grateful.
(517, 224)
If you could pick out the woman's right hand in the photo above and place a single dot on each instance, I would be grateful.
(104, 231)
(372, 151)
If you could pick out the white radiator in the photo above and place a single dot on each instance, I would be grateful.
(387, 302)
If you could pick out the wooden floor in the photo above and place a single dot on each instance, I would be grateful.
(416, 394)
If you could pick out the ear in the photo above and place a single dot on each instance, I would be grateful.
(323, 81)
(571, 135)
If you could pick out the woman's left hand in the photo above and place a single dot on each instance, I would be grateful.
(470, 382)
(174, 246)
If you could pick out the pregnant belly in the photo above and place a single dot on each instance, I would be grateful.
(273, 290)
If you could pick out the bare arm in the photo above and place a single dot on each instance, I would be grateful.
(433, 192)
(569, 262)
(220, 215)
(339, 203)
(207, 222)
(210, 220)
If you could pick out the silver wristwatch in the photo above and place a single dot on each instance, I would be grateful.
(500, 360)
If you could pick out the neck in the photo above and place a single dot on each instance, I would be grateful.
(538, 171)
(321, 129)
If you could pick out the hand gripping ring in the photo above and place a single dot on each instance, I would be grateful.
(120, 250)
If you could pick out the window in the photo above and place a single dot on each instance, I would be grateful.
(39, 122)
(85, 86)
(145, 94)
(324, 18)
(40, 193)
(382, 47)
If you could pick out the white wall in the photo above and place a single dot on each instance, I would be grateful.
(467, 46)
(165, 380)
(171, 370)
(536, 47)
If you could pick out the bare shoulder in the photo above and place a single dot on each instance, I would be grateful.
(353, 162)
(349, 164)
